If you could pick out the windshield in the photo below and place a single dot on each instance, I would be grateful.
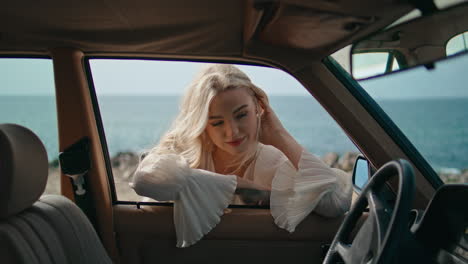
(430, 108)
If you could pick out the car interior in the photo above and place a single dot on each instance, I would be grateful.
(35, 229)
(404, 213)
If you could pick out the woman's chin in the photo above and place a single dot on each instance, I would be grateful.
(240, 150)
(236, 151)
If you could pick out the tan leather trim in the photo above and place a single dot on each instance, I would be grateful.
(66, 188)
(242, 232)
(76, 120)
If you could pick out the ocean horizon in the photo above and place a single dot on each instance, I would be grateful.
(135, 123)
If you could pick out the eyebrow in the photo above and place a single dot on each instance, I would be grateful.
(235, 111)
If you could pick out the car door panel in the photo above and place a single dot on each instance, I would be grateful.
(243, 234)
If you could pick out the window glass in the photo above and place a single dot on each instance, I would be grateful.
(457, 44)
(369, 64)
(430, 106)
(27, 98)
(395, 64)
(442, 4)
(342, 56)
(139, 99)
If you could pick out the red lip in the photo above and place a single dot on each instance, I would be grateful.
(236, 142)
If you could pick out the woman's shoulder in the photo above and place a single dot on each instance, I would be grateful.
(268, 160)
(269, 157)
(270, 153)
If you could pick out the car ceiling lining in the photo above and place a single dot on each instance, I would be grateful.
(162, 27)
(321, 27)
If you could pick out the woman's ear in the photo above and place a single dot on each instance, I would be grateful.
(260, 111)
(261, 107)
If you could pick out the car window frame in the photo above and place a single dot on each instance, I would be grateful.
(100, 129)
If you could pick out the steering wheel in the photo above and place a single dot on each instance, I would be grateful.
(377, 239)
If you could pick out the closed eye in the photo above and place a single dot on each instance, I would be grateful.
(218, 123)
(241, 115)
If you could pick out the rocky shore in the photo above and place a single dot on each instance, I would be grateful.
(124, 165)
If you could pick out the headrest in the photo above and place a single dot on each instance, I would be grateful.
(23, 169)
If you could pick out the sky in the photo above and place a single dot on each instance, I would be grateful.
(138, 77)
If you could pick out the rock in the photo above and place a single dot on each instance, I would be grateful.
(54, 163)
(331, 159)
(464, 177)
(124, 165)
(124, 159)
(346, 162)
(454, 176)
(53, 181)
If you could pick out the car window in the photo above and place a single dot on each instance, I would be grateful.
(429, 106)
(374, 63)
(457, 44)
(27, 98)
(442, 4)
(138, 100)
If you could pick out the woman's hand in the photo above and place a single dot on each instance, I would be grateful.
(271, 127)
(273, 133)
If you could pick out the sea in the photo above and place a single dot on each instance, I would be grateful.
(438, 128)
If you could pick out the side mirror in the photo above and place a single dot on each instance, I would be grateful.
(361, 173)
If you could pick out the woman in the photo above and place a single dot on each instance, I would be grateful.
(227, 137)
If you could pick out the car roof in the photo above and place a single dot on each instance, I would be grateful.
(204, 28)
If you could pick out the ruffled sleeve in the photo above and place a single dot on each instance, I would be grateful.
(199, 196)
(314, 186)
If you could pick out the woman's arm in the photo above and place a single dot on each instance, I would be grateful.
(273, 133)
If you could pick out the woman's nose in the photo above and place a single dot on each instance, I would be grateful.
(232, 129)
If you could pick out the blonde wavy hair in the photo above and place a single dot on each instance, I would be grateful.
(187, 136)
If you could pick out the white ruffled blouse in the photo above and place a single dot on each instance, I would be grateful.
(200, 196)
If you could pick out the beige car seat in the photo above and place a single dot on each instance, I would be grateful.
(49, 229)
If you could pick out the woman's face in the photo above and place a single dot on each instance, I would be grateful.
(232, 121)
